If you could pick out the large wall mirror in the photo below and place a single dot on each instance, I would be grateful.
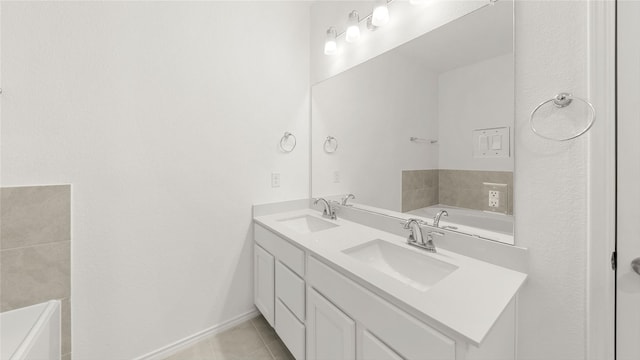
(424, 127)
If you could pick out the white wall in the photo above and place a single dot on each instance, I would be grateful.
(165, 117)
(368, 108)
(551, 306)
(551, 182)
(476, 96)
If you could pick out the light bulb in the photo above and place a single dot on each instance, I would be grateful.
(380, 15)
(330, 44)
(353, 27)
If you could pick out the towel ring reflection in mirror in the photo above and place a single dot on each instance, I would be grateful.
(560, 101)
(285, 144)
(330, 144)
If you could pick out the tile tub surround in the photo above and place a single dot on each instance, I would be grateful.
(35, 250)
(253, 339)
(459, 188)
(419, 189)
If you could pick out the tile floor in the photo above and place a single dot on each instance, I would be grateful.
(253, 339)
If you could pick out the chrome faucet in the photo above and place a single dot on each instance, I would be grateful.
(346, 199)
(328, 212)
(436, 219)
(429, 245)
(416, 238)
(415, 232)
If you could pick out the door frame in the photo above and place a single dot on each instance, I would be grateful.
(601, 238)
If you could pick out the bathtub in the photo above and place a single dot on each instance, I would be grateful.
(31, 332)
(485, 224)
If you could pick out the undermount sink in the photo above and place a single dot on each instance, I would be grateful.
(419, 271)
(307, 224)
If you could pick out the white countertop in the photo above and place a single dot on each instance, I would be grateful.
(467, 302)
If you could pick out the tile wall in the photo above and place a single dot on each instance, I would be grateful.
(35, 250)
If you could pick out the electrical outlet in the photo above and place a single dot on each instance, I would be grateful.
(336, 176)
(275, 180)
(494, 198)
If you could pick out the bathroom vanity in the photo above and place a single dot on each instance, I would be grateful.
(337, 289)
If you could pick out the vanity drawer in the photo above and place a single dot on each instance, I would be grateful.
(290, 290)
(407, 336)
(290, 330)
(284, 251)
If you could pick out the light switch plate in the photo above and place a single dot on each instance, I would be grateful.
(491, 143)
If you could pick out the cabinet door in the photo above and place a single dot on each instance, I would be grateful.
(331, 335)
(264, 283)
(371, 348)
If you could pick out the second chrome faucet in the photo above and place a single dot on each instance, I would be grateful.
(329, 211)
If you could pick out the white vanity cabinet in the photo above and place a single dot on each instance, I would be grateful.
(264, 283)
(322, 313)
(371, 348)
(331, 334)
(384, 328)
(279, 288)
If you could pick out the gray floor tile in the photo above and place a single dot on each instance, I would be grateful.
(237, 343)
(279, 350)
(265, 330)
(200, 351)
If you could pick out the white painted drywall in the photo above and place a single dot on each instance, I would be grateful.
(471, 97)
(373, 110)
(165, 117)
(550, 178)
(551, 182)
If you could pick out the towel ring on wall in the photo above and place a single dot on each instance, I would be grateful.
(284, 146)
(330, 144)
(562, 100)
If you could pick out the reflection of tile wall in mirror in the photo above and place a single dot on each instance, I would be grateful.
(419, 189)
(465, 188)
(459, 188)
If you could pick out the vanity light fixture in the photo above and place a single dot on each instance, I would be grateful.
(380, 15)
(353, 27)
(331, 44)
(370, 25)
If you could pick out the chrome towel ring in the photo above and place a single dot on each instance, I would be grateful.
(330, 144)
(285, 145)
(562, 100)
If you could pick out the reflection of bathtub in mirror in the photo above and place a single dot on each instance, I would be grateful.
(481, 223)
(487, 225)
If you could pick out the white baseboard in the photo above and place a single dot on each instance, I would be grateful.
(182, 344)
